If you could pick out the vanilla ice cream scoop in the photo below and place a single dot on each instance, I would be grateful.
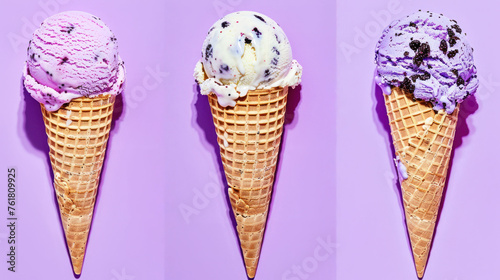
(245, 51)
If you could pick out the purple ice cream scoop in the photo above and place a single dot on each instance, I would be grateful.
(73, 54)
(427, 54)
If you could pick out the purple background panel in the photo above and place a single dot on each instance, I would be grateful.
(371, 233)
(201, 239)
(127, 237)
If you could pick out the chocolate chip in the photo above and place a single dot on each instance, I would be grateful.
(443, 46)
(259, 17)
(223, 68)
(454, 71)
(277, 39)
(276, 50)
(414, 77)
(68, 29)
(64, 60)
(460, 81)
(209, 51)
(267, 73)
(407, 53)
(414, 45)
(274, 61)
(248, 41)
(398, 34)
(225, 24)
(257, 32)
(452, 53)
(413, 24)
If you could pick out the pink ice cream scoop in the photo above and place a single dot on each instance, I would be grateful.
(72, 54)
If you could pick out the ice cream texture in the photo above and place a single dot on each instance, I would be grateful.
(428, 55)
(73, 54)
(245, 51)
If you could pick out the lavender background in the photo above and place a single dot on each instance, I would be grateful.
(371, 234)
(127, 237)
(204, 245)
(162, 211)
(161, 155)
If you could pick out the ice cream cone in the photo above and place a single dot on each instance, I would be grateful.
(249, 136)
(77, 136)
(423, 140)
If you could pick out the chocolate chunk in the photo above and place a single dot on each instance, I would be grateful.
(453, 41)
(414, 77)
(407, 85)
(453, 38)
(454, 71)
(259, 17)
(209, 51)
(452, 53)
(423, 51)
(407, 53)
(248, 41)
(443, 46)
(413, 24)
(457, 28)
(257, 32)
(225, 24)
(425, 76)
(267, 73)
(451, 33)
(460, 81)
(414, 45)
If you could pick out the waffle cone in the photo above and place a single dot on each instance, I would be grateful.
(249, 136)
(423, 140)
(77, 136)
